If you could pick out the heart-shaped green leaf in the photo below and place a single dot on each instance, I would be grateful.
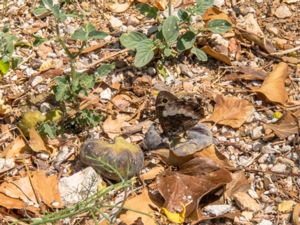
(132, 39)
(201, 55)
(186, 41)
(218, 26)
(170, 29)
(144, 53)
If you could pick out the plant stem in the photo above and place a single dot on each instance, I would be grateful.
(170, 7)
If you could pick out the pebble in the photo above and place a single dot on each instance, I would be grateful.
(245, 202)
(279, 168)
(151, 71)
(257, 146)
(259, 1)
(37, 80)
(106, 94)
(265, 222)
(283, 12)
(291, 1)
(217, 210)
(133, 21)
(219, 3)
(257, 132)
(115, 22)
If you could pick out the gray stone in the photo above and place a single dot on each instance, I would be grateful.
(283, 12)
(256, 133)
(265, 222)
(115, 22)
(279, 168)
(217, 210)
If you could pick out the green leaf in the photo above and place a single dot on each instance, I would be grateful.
(132, 39)
(144, 53)
(105, 69)
(170, 29)
(79, 34)
(97, 34)
(38, 40)
(147, 10)
(167, 52)
(15, 61)
(186, 41)
(87, 81)
(184, 16)
(61, 90)
(201, 55)
(39, 10)
(4, 67)
(203, 5)
(48, 129)
(218, 26)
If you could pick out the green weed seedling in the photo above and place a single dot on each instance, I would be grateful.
(175, 34)
(70, 87)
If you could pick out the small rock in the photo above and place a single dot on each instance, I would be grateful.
(272, 29)
(259, 1)
(36, 81)
(106, 94)
(115, 22)
(283, 12)
(151, 71)
(247, 215)
(279, 168)
(217, 210)
(219, 3)
(257, 132)
(79, 186)
(291, 1)
(245, 202)
(6, 164)
(265, 222)
(133, 21)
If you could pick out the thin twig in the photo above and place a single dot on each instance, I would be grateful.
(284, 52)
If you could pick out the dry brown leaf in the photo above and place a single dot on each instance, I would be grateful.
(296, 214)
(160, 4)
(13, 203)
(4, 109)
(239, 183)
(113, 127)
(247, 74)
(231, 111)
(284, 127)
(36, 143)
(214, 13)
(14, 149)
(46, 188)
(221, 57)
(119, 6)
(152, 173)
(183, 190)
(273, 88)
(140, 203)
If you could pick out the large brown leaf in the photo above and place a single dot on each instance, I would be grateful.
(183, 190)
(273, 88)
(231, 111)
(286, 126)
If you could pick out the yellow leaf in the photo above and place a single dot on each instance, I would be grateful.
(286, 206)
(173, 216)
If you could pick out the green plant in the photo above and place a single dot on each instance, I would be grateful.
(7, 46)
(71, 87)
(175, 34)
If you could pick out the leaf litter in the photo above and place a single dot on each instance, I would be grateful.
(238, 171)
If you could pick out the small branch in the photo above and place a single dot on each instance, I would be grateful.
(286, 51)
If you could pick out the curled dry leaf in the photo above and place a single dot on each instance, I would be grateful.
(217, 55)
(160, 4)
(231, 111)
(113, 126)
(273, 88)
(140, 203)
(214, 13)
(36, 143)
(182, 190)
(27, 192)
(14, 149)
(286, 126)
(296, 214)
(119, 6)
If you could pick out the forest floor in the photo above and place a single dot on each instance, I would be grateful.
(211, 131)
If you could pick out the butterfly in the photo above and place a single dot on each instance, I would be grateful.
(177, 115)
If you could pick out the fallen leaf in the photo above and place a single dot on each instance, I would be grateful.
(214, 13)
(14, 149)
(273, 87)
(250, 24)
(247, 73)
(160, 4)
(47, 189)
(286, 206)
(13, 203)
(239, 183)
(296, 214)
(285, 126)
(245, 202)
(118, 7)
(113, 126)
(4, 109)
(231, 111)
(152, 173)
(183, 189)
(140, 203)
(36, 143)
(221, 57)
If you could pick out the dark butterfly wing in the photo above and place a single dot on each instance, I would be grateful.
(177, 115)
